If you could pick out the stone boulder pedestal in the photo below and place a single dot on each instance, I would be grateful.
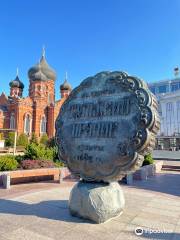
(97, 202)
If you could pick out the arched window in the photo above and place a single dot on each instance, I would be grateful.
(12, 121)
(43, 124)
(27, 124)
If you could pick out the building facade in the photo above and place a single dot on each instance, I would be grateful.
(37, 112)
(168, 95)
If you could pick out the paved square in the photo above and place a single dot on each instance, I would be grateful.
(40, 212)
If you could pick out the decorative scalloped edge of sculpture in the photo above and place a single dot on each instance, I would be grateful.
(149, 124)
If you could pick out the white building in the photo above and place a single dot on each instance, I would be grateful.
(168, 95)
(169, 110)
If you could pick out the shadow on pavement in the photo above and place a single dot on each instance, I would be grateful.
(58, 210)
(53, 209)
(159, 236)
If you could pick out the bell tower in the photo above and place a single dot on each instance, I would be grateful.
(16, 86)
(65, 88)
(42, 78)
(41, 90)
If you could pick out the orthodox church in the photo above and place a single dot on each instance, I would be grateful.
(37, 112)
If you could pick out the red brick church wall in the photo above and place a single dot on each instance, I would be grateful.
(40, 103)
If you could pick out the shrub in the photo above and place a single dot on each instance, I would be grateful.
(10, 139)
(7, 163)
(34, 164)
(51, 142)
(55, 154)
(49, 153)
(1, 136)
(59, 163)
(22, 140)
(44, 139)
(148, 159)
(34, 151)
(19, 158)
(34, 138)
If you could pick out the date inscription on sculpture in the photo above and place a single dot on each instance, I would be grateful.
(106, 126)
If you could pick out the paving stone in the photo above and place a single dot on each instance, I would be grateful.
(74, 235)
(176, 235)
(113, 226)
(132, 210)
(51, 229)
(25, 234)
(164, 206)
(125, 218)
(147, 233)
(128, 233)
(167, 202)
(3, 238)
(96, 231)
(161, 211)
(178, 223)
(158, 217)
(44, 215)
(153, 224)
(16, 221)
(7, 226)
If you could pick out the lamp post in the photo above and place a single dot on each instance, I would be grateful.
(15, 140)
(15, 137)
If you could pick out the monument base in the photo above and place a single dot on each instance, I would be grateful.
(98, 202)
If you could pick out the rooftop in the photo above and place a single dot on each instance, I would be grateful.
(177, 79)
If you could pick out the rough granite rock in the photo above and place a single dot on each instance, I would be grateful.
(98, 202)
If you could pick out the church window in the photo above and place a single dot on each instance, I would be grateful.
(43, 124)
(27, 124)
(12, 121)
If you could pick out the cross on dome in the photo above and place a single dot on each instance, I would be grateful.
(43, 51)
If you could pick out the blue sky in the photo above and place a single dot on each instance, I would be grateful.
(84, 37)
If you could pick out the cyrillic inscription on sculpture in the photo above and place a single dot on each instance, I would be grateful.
(98, 130)
(106, 129)
(100, 109)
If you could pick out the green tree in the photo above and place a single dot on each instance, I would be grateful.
(1, 136)
(51, 142)
(148, 159)
(39, 152)
(34, 138)
(8, 162)
(22, 140)
(44, 139)
(10, 139)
